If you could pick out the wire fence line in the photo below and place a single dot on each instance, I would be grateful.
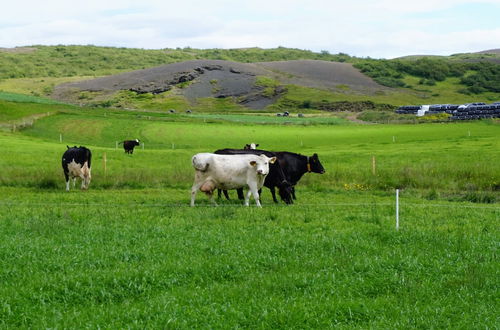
(186, 205)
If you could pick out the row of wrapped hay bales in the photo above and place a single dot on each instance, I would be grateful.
(467, 111)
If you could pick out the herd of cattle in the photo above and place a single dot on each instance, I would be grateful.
(224, 169)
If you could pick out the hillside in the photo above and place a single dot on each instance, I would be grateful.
(244, 82)
(241, 79)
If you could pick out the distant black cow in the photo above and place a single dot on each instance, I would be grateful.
(275, 178)
(129, 145)
(76, 163)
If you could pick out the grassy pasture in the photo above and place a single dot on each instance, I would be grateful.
(428, 158)
(130, 252)
(142, 258)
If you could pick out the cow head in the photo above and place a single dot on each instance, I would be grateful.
(262, 164)
(137, 142)
(315, 164)
(285, 190)
(251, 146)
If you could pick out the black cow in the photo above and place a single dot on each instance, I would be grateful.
(76, 163)
(129, 145)
(275, 178)
(296, 165)
(293, 165)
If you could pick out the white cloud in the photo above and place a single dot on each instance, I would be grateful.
(375, 28)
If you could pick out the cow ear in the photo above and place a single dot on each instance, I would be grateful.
(272, 160)
(253, 163)
(257, 145)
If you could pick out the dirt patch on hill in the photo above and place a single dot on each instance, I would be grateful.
(321, 74)
(221, 79)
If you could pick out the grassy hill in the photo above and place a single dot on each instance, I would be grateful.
(459, 78)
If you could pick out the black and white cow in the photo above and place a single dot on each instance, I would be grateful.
(230, 172)
(251, 146)
(129, 145)
(76, 163)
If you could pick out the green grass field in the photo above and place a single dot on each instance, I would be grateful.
(130, 253)
(142, 258)
(449, 159)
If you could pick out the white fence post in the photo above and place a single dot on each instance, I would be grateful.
(60, 137)
(397, 209)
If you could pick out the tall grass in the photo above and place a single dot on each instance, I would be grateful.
(133, 258)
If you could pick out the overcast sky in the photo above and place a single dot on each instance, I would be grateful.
(374, 28)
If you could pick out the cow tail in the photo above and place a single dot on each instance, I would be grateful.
(200, 166)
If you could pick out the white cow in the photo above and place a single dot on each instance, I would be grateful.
(229, 172)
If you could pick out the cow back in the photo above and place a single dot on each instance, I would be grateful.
(79, 154)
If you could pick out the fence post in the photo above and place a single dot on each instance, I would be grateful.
(60, 137)
(397, 209)
(393, 138)
(116, 145)
(374, 167)
(142, 145)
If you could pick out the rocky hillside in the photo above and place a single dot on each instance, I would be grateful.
(226, 79)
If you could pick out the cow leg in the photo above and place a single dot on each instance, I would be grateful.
(211, 197)
(293, 193)
(247, 197)
(226, 194)
(194, 190)
(66, 177)
(240, 194)
(253, 190)
(74, 182)
(273, 192)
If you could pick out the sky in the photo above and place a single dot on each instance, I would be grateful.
(364, 28)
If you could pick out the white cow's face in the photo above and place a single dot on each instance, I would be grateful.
(262, 164)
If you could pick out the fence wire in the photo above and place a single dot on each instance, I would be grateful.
(148, 205)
